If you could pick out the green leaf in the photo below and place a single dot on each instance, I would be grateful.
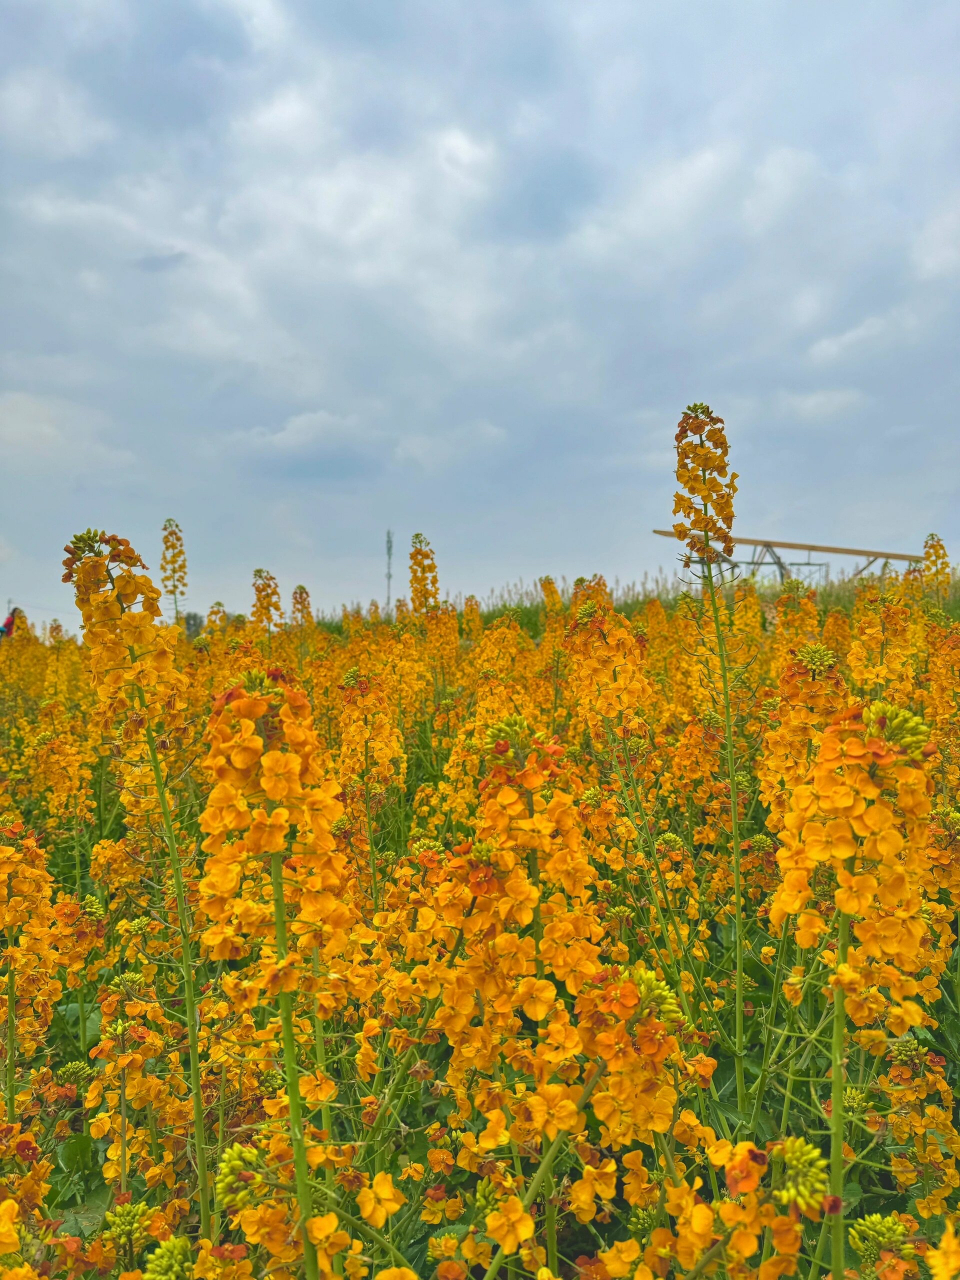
(76, 1154)
(88, 1218)
(766, 1127)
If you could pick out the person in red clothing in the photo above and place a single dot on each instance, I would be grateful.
(12, 617)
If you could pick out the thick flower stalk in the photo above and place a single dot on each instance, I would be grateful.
(130, 655)
(705, 503)
(173, 565)
(270, 800)
(855, 848)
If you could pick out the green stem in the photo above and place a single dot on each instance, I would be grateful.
(155, 1154)
(760, 1085)
(533, 871)
(818, 1253)
(545, 1166)
(220, 1136)
(661, 1145)
(363, 1228)
(189, 992)
(836, 1114)
(101, 769)
(374, 888)
(76, 858)
(123, 1131)
(82, 1013)
(713, 1252)
(408, 1059)
(553, 1255)
(300, 1166)
(11, 1043)
(639, 818)
(734, 836)
(326, 1119)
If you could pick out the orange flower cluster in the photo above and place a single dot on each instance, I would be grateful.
(705, 496)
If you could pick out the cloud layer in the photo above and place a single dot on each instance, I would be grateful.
(297, 273)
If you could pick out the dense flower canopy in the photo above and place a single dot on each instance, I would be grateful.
(619, 943)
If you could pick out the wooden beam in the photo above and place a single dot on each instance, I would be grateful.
(862, 568)
(809, 546)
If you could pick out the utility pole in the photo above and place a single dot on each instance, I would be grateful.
(389, 567)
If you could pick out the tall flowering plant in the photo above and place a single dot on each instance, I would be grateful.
(141, 722)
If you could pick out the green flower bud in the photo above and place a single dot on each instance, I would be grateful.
(236, 1183)
(515, 732)
(77, 1073)
(817, 658)
(485, 1200)
(656, 998)
(876, 1234)
(171, 1261)
(898, 726)
(125, 1227)
(641, 1222)
(805, 1180)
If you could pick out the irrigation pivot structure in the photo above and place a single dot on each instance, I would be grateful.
(766, 552)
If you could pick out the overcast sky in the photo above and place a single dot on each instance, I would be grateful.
(295, 272)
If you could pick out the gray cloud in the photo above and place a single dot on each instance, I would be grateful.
(163, 261)
(294, 273)
(43, 115)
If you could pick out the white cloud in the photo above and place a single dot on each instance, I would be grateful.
(294, 119)
(661, 209)
(441, 450)
(308, 433)
(106, 219)
(54, 435)
(87, 23)
(463, 157)
(807, 305)
(779, 184)
(43, 114)
(821, 406)
(899, 322)
(320, 436)
(263, 21)
(936, 251)
(42, 369)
